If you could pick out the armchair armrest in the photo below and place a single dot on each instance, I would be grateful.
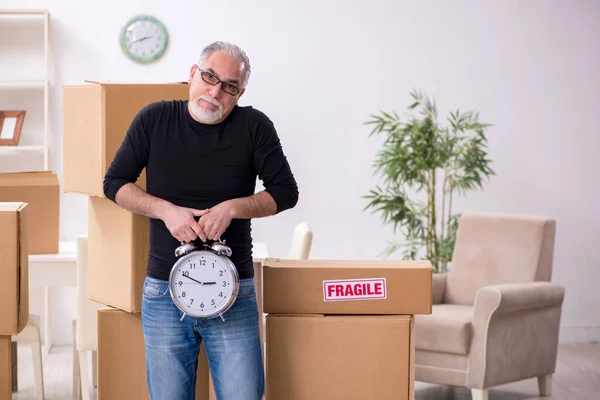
(515, 332)
(519, 296)
(438, 288)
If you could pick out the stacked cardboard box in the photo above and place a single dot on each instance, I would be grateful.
(14, 296)
(342, 329)
(41, 191)
(96, 116)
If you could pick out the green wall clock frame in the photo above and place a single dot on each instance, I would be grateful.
(144, 39)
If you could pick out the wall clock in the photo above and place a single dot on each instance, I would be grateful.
(144, 39)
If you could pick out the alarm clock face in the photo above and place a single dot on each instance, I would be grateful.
(203, 284)
(144, 39)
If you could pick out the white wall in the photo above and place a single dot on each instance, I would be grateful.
(320, 68)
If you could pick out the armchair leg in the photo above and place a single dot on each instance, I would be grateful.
(479, 394)
(545, 384)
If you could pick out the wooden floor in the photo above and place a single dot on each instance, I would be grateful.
(577, 377)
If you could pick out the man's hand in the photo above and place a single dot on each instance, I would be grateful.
(218, 218)
(182, 225)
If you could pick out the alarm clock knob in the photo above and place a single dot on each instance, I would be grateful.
(184, 249)
(221, 249)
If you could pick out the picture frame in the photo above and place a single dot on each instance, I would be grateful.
(11, 123)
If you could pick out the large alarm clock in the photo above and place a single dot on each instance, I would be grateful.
(143, 39)
(204, 283)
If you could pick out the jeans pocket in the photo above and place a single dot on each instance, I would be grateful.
(246, 296)
(155, 289)
(247, 289)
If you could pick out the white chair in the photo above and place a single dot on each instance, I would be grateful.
(85, 327)
(301, 242)
(31, 333)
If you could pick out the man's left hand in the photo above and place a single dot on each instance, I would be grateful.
(216, 220)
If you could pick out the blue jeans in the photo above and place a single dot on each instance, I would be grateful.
(232, 346)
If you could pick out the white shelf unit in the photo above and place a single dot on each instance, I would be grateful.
(25, 85)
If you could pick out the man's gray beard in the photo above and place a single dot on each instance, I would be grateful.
(205, 115)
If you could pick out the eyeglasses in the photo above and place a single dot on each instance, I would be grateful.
(214, 81)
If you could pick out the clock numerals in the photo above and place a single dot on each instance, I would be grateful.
(198, 289)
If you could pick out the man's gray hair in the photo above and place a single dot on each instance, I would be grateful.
(232, 50)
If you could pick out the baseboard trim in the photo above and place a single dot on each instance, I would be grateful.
(579, 333)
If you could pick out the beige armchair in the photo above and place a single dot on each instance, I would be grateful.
(496, 316)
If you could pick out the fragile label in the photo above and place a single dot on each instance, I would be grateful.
(354, 289)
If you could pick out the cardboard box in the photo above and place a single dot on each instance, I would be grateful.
(5, 368)
(340, 357)
(122, 359)
(14, 268)
(41, 191)
(347, 287)
(118, 246)
(96, 116)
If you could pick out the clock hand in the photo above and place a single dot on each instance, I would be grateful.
(141, 39)
(202, 283)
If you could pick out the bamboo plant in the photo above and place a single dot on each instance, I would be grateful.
(420, 160)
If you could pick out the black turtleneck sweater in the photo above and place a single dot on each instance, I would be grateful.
(196, 165)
